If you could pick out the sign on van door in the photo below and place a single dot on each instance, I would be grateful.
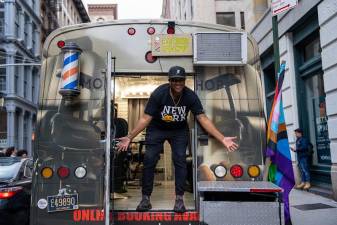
(279, 6)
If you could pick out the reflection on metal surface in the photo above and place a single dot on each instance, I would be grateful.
(231, 97)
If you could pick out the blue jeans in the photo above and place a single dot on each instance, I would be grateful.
(155, 138)
(303, 165)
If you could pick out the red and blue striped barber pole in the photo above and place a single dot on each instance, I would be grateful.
(71, 70)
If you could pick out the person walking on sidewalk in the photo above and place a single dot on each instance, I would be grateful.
(302, 150)
(165, 117)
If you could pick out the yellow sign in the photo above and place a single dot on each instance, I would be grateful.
(171, 45)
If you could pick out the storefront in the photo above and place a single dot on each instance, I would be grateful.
(311, 96)
(307, 43)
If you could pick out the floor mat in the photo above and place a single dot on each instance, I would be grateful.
(315, 206)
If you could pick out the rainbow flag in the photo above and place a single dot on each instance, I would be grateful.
(281, 170)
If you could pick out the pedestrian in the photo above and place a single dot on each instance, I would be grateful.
(165, 118)
(22, 153)
(11, 152)
(303, 154)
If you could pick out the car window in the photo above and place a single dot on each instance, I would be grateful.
(9, 168)
(28, 171)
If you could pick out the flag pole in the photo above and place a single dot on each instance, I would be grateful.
(276, 45)
(276, 49)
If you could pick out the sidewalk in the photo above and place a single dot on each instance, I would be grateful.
(310, 209)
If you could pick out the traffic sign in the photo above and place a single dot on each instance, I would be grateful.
(279, 6)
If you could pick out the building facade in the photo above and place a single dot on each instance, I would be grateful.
(71, 12)
(49, 18)
(21, 39)
(242, 14)
(19, 70)
(308, 42)
(102, 12)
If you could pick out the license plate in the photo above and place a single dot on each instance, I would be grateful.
(62, 202)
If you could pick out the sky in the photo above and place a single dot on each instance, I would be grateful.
(133, 9)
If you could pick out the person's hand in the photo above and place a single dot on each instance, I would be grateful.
(292, 149)
(123, 143)
(229, 143)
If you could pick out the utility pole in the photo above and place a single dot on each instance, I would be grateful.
(276, 45)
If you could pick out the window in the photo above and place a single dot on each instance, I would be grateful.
(16, 128)
(226, 18)
(3, 127)
(2, 22)
(33, 39)
(25, 131)
(26, 29)
(17, 23)
(34, 82)
(25, 82)
(2, 71)
(18, 59)
(311, 50)
(242, 19)
(33, 5)
(270, 85)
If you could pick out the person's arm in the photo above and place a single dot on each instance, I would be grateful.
(140, 126)
(208, 125)
(303, 145)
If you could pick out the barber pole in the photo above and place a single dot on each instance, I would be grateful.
(70, 71)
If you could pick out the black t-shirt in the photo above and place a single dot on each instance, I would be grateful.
(168, 116)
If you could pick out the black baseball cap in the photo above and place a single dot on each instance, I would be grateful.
(299, 130)
(177, 72)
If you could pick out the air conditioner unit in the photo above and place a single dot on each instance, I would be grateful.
(222, 48)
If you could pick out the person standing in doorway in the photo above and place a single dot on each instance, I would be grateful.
(165, 117)
(302, 150)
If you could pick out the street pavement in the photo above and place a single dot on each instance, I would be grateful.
(310, 209)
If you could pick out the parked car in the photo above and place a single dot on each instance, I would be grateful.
(15, 190)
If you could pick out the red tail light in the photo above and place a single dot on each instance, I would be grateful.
(131, 31)
(149, 57)
(236, 171)
(6, 193)
(170, 30)
(61, 44)
(63, 172)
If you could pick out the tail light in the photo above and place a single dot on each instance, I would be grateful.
(61, 44)
(149, 57)
(151, 30)
(6, 193)
(47, 172)
(236, 171)
(63, 172)
(171, 27)
(131, 31)
(219, 170)
(80, 172)
(253, 171)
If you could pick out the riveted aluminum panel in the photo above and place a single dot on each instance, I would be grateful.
(241, 213)
(236, 186)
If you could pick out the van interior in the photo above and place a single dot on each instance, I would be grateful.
(129, 95)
